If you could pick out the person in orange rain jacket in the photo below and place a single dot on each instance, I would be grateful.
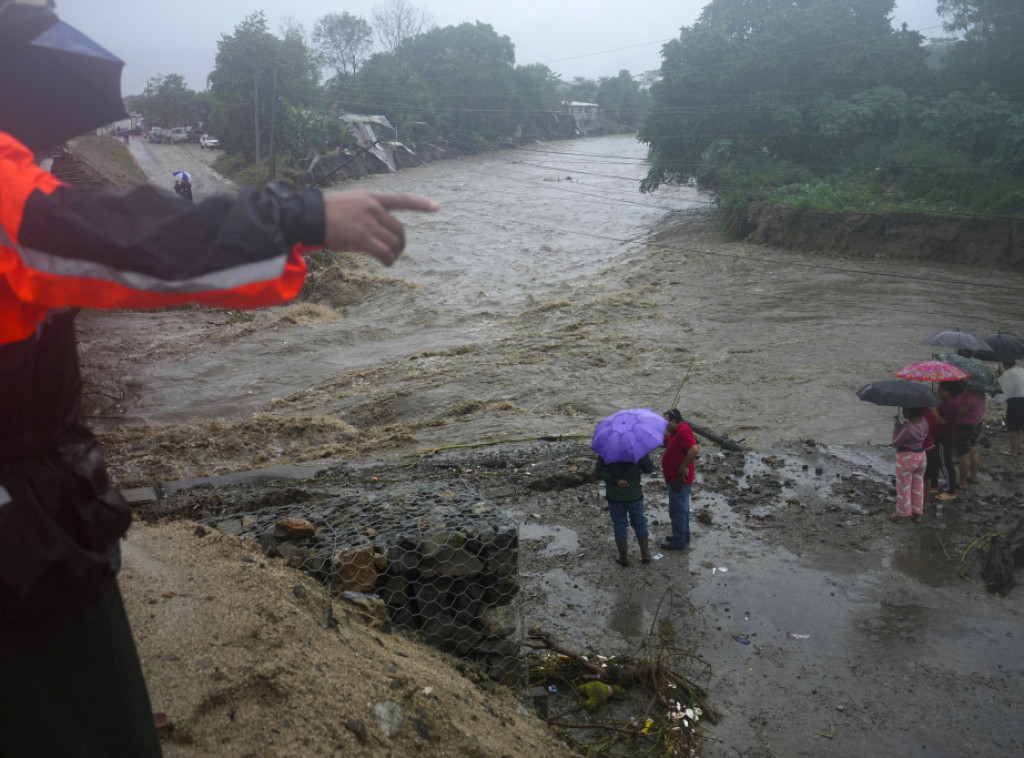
(72, 682)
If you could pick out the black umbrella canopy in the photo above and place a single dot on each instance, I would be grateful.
(956, 339)
(899, 394)
(1002, 348)
(57, 86)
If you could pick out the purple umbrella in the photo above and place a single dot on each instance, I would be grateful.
(628, 435)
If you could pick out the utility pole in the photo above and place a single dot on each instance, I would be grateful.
(273, 123)
(256, 112)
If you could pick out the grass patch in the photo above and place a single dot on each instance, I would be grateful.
(113, 151)
(244, 172)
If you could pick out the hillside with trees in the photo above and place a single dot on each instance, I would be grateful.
(822, 105)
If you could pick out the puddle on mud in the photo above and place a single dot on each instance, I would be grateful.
(571, 593)
(923, 557)
(768, 596)
(554, 540)
(640, 614)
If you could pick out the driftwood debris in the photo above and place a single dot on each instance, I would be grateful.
(627, 673)
(718, 439)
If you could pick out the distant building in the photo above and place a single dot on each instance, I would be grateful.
(645, 79)
(586, 114)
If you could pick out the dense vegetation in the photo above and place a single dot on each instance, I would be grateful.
(821, 104)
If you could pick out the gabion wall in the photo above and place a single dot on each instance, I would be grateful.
(444, 563)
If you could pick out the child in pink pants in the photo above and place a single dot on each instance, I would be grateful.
(908, 437)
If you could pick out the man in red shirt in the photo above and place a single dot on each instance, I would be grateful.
(677, 467)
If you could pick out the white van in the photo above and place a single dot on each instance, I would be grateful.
(179, 134)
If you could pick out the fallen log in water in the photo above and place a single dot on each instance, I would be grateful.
(725, 442)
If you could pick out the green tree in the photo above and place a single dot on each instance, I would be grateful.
(582, 90)
(166, 101)
(621, 99)
(345, 42)
(536, 99)
(740, 85)
(260, 82)
(469, 69)
(991, 50)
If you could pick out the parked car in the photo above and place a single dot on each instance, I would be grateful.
(179, 134)
(206, 142)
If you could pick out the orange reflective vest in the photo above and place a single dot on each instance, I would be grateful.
(65, 247)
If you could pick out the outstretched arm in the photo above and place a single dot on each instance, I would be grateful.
(363, 222)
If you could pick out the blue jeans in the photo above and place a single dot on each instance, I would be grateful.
(679, 513)
(624, 514)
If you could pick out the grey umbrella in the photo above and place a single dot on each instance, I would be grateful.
(956, 339)
(1002, 347)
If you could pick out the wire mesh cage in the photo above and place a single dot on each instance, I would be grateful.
(443, 563)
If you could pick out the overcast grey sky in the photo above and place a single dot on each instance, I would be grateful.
(591, 38)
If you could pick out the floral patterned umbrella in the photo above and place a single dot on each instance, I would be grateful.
(932, 371)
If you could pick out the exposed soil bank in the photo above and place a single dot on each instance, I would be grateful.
(990, 242)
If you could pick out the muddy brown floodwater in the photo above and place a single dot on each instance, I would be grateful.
(548, 305)
(548, 293)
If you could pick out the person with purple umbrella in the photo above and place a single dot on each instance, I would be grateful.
(623, 442)
(625, 496)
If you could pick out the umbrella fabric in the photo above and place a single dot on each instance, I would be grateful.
(899, 393)
(931, 371)
(956, 339)
(628, 435)
(59, 85)
(981, 380)
(183, 175)
(1003, 347)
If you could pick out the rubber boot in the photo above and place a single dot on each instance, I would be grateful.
(645, 549)
(623, 559)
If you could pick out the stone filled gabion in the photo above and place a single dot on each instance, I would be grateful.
(445, 563)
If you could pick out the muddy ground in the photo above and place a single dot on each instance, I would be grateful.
(828, 629)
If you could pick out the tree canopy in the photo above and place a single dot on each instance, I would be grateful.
(166, 101)
(345, 41)
(991, 51)
(747, 79)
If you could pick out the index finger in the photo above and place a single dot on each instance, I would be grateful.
(407, 203)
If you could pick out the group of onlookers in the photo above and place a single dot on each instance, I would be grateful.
(932, 441)
(624, 492)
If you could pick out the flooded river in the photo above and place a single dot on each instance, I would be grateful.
(547, 293)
